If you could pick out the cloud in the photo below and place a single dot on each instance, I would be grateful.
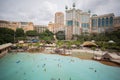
(41, 12)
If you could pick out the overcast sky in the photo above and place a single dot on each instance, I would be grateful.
(42, 11)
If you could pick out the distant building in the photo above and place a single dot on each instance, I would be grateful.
(51, 27)
(59, 22)
(8, 24)
(77, 22)
(4, 23)
(102, 23)
(26, 26)
(40, 28)
(59, 19)
(14, 25)
(116, 23)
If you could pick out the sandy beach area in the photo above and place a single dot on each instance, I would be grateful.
(86, 54)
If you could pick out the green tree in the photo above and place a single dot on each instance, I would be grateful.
(19, 32)
(31, 33)
(60, 35)
(6, 35)
(46, 36)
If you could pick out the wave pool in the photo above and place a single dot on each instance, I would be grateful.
(26, 66)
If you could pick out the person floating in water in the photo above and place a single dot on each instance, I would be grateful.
(59, 79)
(44, 65)
(45, 70)
(95, 71)
(70, 78)
(18, 61)
(24, 73)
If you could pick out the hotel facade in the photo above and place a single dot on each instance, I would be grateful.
(116, 22)
(14, 25)
(77, 22)
(102, 23)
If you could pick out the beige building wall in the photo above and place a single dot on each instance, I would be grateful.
(59, 22)
(14, 25)
(59, 19)
(26, 26)
(116, 23)
(40, 28)
(8, 24)
(98, 21)
(4, 23)
(51, 27)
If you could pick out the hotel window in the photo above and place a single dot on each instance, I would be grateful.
(69, 23)
(103, 22)
(99, 22)
(94, 22)
(111, 21)
(106, 21)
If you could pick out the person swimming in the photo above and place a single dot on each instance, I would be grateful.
(95, 70)
(45, 70)
(18, 61)
(24, 73)
(43, 65)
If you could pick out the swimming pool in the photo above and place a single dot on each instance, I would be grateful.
(26, 66)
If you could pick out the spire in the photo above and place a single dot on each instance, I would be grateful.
(66, 7)
(89, 11)
(73, 5)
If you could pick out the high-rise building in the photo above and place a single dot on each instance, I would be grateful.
(77, 22)
(59, 18)
(59, 22)
(102, 23)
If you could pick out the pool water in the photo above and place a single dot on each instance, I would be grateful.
(26, 66)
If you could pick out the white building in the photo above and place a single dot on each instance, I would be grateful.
(77, 22)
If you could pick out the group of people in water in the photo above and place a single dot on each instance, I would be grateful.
(59, 66)
(59, 79)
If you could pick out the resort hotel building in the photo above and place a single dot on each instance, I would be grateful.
(102, 23)
(14, 25)
(116, 22)
(77, 22)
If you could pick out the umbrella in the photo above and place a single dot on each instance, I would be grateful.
(89, 44)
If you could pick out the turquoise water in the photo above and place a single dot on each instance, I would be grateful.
(25, 66)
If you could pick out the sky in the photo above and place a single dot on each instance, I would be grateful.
(41, 12)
